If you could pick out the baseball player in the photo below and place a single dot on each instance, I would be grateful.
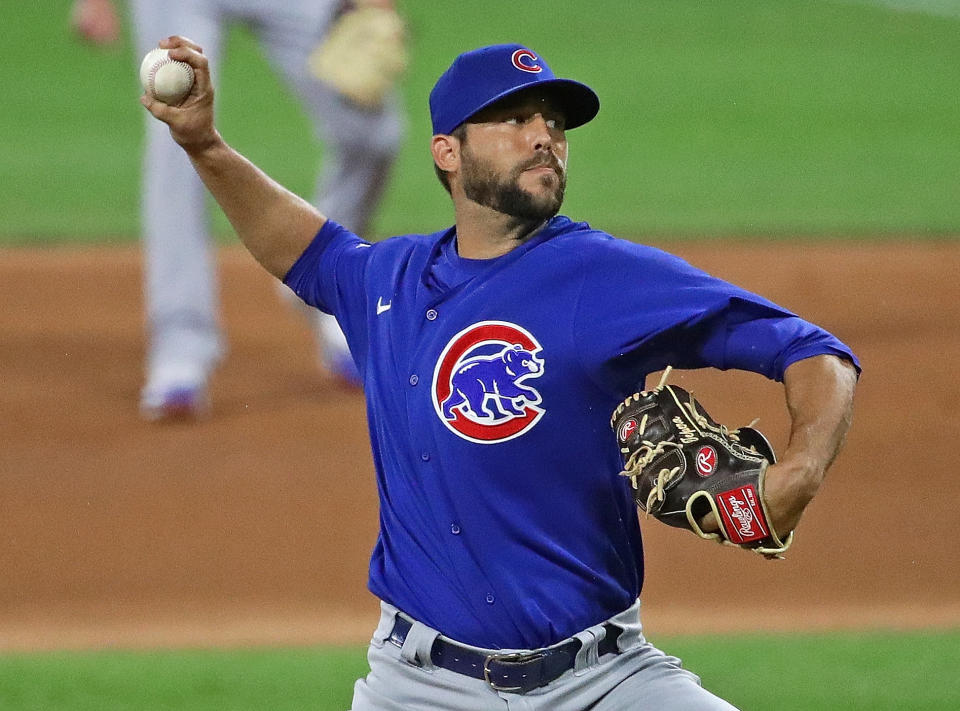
(509, 560)
(185, 338)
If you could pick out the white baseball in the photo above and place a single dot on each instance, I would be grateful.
(165, 79)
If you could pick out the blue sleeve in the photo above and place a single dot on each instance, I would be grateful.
(330, 269)
(641, 309)
(756, 335)
(330, 275)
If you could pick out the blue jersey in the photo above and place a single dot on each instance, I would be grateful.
(504, 522)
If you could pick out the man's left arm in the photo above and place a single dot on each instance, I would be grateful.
(819, 394)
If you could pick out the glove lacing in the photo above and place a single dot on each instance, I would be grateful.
(648, 451)
(722, 430)
(640, 458)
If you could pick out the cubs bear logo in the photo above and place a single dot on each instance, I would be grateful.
(526, 61)
(479, 384)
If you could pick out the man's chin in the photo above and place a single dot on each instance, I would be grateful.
(537, 203)
(545, 205)
(539, 181)
(532, 210)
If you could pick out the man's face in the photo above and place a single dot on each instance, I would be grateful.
(514, 157)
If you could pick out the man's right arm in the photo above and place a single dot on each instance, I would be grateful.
(273, 223)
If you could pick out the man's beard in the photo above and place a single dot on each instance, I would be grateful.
(504, 194)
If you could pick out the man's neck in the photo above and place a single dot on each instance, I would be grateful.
(483, 233)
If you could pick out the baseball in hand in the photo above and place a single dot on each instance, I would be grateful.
(165, 79)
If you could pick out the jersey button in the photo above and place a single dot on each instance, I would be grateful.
(425, 456)
(491, 599)
(432, 315)
(414, 379)
(454, 529)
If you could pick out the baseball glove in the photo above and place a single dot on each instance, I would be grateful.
(683, 465)
(363, 54)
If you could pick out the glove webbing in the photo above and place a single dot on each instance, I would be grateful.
(647, 451)
(645, 454)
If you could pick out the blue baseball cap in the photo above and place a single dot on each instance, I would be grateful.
(481, 77)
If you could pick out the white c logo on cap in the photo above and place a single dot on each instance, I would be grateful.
(526, 61)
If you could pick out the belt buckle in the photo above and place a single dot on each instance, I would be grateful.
(511, 658)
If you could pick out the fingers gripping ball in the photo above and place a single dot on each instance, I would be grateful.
(683, 465)
(165, 79)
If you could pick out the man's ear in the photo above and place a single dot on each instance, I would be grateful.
(446, 152)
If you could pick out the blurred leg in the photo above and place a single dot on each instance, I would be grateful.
(180, 290)
(360, 146)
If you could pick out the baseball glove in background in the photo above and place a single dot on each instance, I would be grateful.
(683, 465)
(363, 54)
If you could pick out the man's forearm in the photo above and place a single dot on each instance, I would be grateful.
(275, 224)
(819, 394)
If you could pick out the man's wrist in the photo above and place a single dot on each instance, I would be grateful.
(806, 471)
(796, 481)
(207, 149)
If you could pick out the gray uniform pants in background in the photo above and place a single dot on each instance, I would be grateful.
(181, 287)
(639, 678)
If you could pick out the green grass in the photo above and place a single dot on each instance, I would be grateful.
(880, 671)
(847, 672)
(813, 117)
(279, 680)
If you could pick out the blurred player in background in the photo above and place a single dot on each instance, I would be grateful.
(361, 135)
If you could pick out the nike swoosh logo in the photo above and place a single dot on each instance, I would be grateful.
(381, 307)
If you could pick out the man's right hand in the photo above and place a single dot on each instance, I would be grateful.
(191, 123)
(275, 224)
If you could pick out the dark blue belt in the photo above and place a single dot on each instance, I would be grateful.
(517, 672)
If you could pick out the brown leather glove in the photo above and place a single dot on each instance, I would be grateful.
(683, 465)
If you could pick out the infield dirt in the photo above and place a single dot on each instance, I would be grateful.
(254, 527)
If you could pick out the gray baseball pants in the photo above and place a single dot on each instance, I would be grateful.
(639, 678)
(180, 281)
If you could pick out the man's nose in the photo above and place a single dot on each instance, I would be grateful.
(540, 134)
